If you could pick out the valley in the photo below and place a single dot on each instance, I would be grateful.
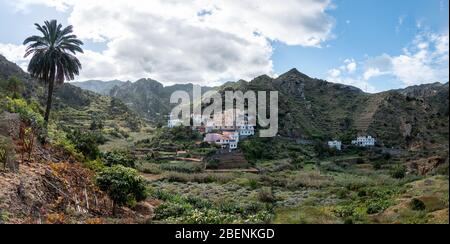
(293, 178)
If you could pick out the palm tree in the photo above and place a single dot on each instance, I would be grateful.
(53, 56)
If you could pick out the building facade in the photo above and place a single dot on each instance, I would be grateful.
(364, 141)
(335, 145)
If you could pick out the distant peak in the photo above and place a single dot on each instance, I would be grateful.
(294, 73)
(147, 80)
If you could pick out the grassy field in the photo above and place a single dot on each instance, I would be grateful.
(316, 194)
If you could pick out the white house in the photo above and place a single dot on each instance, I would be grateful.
(233, 135)
(335, 144)
(364, 141)
(246, 130)
(225, 140)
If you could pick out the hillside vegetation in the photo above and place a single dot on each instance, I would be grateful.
(70, 172)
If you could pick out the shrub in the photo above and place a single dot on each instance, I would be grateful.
(123, 185)
(85, 142)
(199, 177)
(149, 168)
(182, 167)
(6, 151)
(15, 87)
(417, 205)
(210, 216)
(27, 138)
(266, 195)
(378, 165)
(97, 123)
(374, 209)
(197, 202)
(28, 112)
(165, 196)
(298, 162)
(308, 179)
(95, 165)
(123, 158)
(60, 140)
(398, 172)
(213, 164)
(171, 210)
(442, 169)
(253, 183)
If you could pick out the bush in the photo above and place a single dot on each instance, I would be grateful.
(95, 165)
(398, 172)
(442, 169)
(171, 210)
(123, 185)
(123, 158)
(374, 209)
(298, 161)
(266, 195)
(97, 123)
(14, 87)
(210, 216)
(178, 209)
(308, 179)
(197, 202)
(28, 112)
(417, 205)
(378, 165)
(6, 152)
(149, 168)
(199, 178)
(60, 140)
(85, 142)
(182, 167)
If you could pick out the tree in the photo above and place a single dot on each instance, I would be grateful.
(6, 150)
(53, 56)
(86, 142)
(15, 87)
(123, 185)
(117, 157)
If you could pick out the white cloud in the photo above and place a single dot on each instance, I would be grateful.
(345, 74)
(350, 65)
(24, 5)
(15, 53)
(334, 73)
(426, 60)
(191, 41)
(373, 72)
(353, 81)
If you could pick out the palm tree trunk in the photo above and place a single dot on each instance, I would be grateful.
(49, 101)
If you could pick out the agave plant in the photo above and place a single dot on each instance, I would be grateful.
(53, 56)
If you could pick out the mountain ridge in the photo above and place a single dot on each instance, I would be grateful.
(312, 108)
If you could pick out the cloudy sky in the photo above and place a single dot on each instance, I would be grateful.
(372, 44)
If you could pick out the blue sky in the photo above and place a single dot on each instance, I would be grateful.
(373, 44)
